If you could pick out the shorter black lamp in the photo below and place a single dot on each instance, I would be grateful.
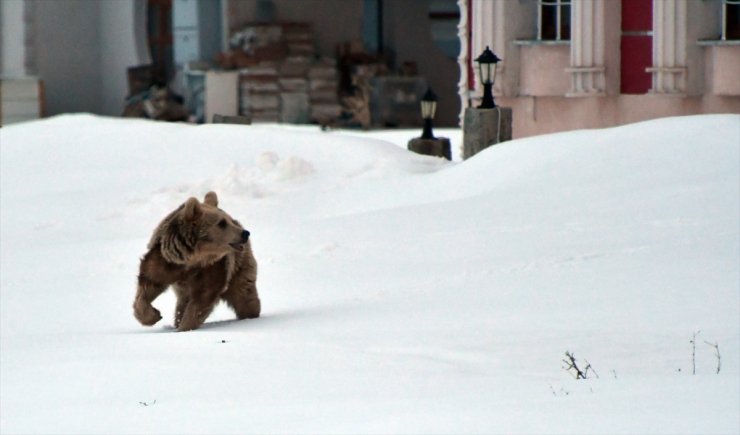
(428, 144)
(487, 67)
(428, 108)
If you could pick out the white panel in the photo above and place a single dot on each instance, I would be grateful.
(12, 49)
(20, 100)
(222, 94)
(19, 89)
(186, 46)
(20, 107)
(184, 13)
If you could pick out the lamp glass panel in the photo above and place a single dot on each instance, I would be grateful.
(485, 72)
(428, 108)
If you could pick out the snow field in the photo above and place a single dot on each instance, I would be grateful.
(401, 293)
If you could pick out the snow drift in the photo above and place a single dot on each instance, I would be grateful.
(401, 293)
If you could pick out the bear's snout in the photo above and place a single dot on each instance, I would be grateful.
(245, 235)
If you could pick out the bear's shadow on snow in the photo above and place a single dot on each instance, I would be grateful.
(266, 320)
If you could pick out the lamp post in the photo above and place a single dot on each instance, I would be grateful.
(487, 62)
(428, 108)
(487, 124)
(428, 144)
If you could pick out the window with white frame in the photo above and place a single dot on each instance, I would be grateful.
(553, 23)
(730, 19)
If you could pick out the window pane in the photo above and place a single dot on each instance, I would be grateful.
(565, 22)
(732, 19)
(549, 22)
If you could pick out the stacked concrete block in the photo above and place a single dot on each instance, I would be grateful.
(294, 103)
(295, 66)
(293, 84)
(260, 93)
(299, 39)
(323, 81)
(288, 84)
(294, 108)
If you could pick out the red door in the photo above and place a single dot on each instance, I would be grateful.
(636, 46)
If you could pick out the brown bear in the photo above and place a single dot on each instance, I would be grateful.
(205, 255)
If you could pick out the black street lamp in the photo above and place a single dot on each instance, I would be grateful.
(428, 108)
(428, 144)
(487, 67)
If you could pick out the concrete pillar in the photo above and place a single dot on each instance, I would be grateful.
(12, 39)
(485, 127)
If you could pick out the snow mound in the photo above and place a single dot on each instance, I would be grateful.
(401, 293)
(270, 176)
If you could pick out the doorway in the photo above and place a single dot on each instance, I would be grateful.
(636, 46)
(159, 39)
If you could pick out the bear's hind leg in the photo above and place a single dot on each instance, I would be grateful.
(204, 289)
(195, 314)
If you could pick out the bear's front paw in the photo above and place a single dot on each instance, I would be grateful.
(146, 314)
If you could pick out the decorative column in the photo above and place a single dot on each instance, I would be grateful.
(13, 50)
(489, 30)
(463, 60)
(587, 49)
(669, 47)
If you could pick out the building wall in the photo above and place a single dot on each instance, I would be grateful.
(612, 41)
(328, 29)
(122, 45)
(703, 23)
(541, 115)
(694, 76)
(67, 54)
(80, 49)
(536, 58)
(722, 66)
(408, 33)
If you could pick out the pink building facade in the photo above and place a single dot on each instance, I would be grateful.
(573, 64)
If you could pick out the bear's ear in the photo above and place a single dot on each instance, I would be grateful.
(191, 210)
(211, 199)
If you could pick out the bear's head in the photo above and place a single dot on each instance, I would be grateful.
(198, 233)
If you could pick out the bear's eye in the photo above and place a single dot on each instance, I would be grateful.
(222, 223)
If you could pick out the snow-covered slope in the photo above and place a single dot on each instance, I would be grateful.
(401, 293)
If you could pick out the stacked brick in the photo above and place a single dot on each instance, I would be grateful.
(260, 93)
(283, 79)
(322, 84)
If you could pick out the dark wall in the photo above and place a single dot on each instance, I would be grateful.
(67, 54)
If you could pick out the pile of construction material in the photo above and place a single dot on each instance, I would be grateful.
(281, 77)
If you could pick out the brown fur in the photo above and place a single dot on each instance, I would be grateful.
(198, 249)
